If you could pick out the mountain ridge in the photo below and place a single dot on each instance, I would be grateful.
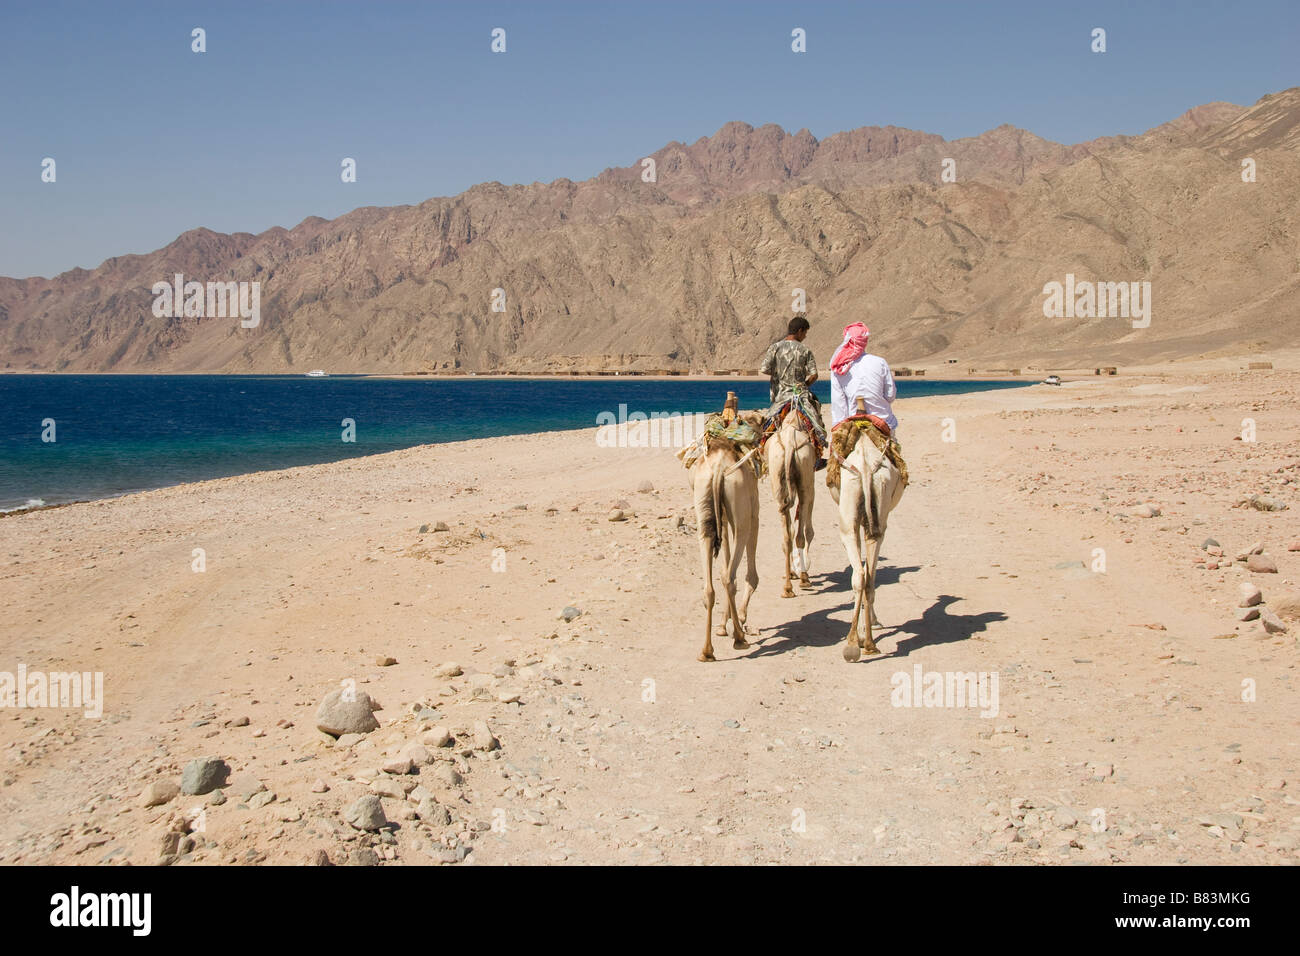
(696, 270)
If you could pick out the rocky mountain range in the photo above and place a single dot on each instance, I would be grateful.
(696, 270)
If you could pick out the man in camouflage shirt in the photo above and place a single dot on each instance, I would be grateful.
(791, 365)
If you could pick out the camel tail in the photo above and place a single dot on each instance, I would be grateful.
(871, 509)
(784, 480)
(716, 504)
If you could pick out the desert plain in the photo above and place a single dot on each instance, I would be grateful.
(1081, 543)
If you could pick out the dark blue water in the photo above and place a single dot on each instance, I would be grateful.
(121, 433)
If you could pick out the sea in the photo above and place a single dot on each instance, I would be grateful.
(66, 438)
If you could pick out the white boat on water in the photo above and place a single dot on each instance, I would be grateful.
(317, 373)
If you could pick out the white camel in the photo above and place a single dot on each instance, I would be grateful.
(870, 488)
(792, 463)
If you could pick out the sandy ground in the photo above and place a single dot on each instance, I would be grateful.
(1138, 720)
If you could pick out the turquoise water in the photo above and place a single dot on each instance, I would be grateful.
(120, 433)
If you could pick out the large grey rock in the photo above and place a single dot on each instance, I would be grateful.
(204, 775)
(366, 814)
(338, 716)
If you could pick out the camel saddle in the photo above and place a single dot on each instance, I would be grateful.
(844, 438)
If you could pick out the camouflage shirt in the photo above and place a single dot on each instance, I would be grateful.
(787, 363)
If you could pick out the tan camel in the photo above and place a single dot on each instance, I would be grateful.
(726, 519)
(870, 488)
(792, 463)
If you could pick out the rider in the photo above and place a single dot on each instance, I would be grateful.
(858, 374)
(792, 369)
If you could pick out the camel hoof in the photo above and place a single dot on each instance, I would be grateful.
(706, 657)
(852, 652)
(740, 644)
(720, 631)
(869, 648)
(788, 592)
(875, 621)
(804, 582)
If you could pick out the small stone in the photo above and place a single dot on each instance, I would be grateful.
(1100, 771)
(419, 755)
(1145, 511)
(349, 740)
(388, 787)
(366, 814)
(482, 737)
(239, 722)
(570, 613)
(346, 712)
(320, 786)
(1064, 819)
(382, 661)
(616, 515)
(645, 487)
(424, 529)
(204, 775)
(1293, 546)
(1250, 595)
(363, 856)
(1261, 564)
(1247, 613)
(399, 765)
(168, 845)
(441, 526)
(1209, 543)
(448, 670)
(320, 858)
(438, 737)
(445, 774)
(157, 793)
(217, 798)
(433, 813)
(262, 799)
(1272, 623)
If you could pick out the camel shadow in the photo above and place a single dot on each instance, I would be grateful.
(842, 579)
(935, 626)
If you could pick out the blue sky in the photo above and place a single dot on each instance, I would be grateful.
(151, 139)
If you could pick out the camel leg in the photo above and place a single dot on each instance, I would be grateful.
(849, 538)
(729, 585)
(723, 564)
(872, 547)
(871, 602)
(787, 543)
(750, 539)
(706, 559)
(807, 491)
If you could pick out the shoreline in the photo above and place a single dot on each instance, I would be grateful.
(86, 497)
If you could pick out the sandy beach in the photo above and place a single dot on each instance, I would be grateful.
(1138, 720)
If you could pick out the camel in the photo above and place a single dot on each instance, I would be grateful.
(726, 518)
(870, 488)
(792, 462)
